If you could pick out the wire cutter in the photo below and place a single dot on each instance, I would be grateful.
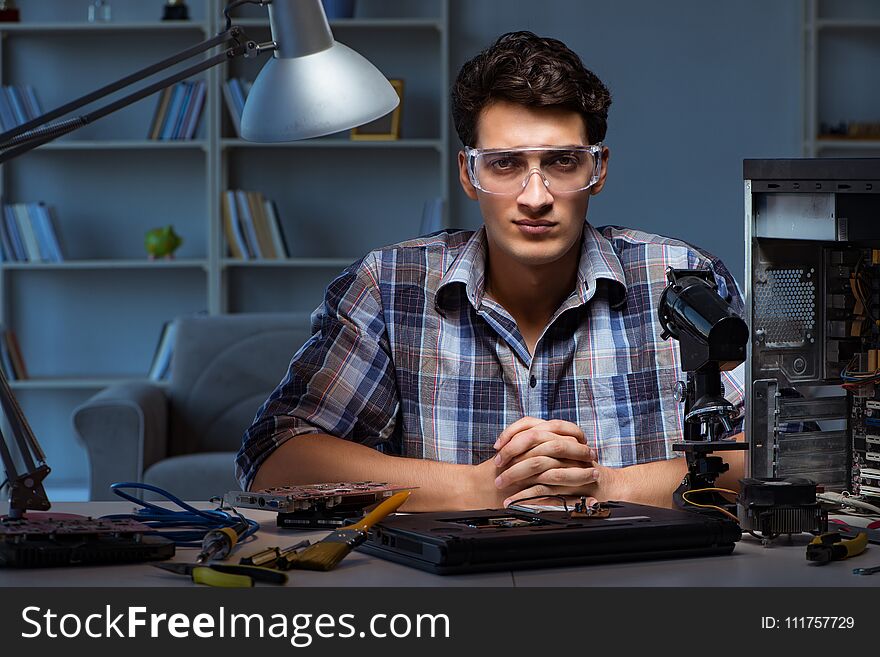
(225, 575)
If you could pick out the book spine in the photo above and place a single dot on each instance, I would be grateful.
(183, 110)
(47, 218)
(27, 232)
(39, 232)
(159, 114)
(277, 231)
(261, 225)
(195, 116)
(7, 116)
(228, 230)
(14, 234)
(234, 115)
(16, 356)
(17, 103)
(6, 358)
(5, 241)
(247, 222)
(237, 228)
(31, 95)
(171, 112)
(239, 94)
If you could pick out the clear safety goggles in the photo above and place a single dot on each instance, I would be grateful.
(508, 170)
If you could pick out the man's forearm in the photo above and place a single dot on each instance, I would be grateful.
(653, 483)
(314, 458)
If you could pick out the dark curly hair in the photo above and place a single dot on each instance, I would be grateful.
(524, 68)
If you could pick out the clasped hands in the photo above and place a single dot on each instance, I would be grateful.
(542, 457)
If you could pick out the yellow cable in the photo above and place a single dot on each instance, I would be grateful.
(710, 506)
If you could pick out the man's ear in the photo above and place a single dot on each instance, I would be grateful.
(464, 178)
(595, 189)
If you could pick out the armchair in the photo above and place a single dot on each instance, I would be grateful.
(183, 437)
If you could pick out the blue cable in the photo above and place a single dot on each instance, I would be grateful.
(198, 522)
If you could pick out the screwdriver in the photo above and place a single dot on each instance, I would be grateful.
(218, 543)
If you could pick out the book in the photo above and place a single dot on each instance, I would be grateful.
(234, 240)
(33, 104)
(261, 225)
(159, 114)
(171, 112)
(160, 368)
(17, 103)
(247, 223)
(15, 355)
(193, 118)
(6, 358)
(15, 236)
(26, 230)
(232, 107)
(271, 211)
(239, 94)
(7, 116)
(5, 240)
(40, 232)
(185, 105)
(47, 220)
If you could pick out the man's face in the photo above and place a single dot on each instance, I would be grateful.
(534, 226)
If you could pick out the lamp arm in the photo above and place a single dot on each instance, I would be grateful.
(25, 489)
(37, 132)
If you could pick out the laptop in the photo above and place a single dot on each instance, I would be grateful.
(504, 539)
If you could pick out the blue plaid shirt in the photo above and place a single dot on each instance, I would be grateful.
(409, 356)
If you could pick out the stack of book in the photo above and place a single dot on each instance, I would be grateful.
(11, 358)
(235, 91)
(27, 233)
(252, 226)
(178, 111)
(18, 105)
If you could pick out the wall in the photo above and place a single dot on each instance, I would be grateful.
(697, 86)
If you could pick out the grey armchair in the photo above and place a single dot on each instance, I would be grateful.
(183, 437)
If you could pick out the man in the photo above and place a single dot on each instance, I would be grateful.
(521, 360)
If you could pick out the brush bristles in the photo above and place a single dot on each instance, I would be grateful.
(326, 554)
(321, 556)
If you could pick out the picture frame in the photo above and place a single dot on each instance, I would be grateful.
(386, 127)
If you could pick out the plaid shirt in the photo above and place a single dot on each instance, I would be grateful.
(409, 356)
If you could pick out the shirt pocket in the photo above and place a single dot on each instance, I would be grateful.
(633, 417)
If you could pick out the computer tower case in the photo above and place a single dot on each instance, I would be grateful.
(813, 306)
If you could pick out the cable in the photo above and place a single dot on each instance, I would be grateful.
(539, 497)
(196, 521)
(685, 494)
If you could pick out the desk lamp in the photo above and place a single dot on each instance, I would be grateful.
(312, 86)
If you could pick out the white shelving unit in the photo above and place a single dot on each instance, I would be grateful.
(841, 52)
(94, 319)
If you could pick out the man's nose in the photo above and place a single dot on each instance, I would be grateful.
(535, 192)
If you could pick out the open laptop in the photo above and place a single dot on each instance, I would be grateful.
(505, 539)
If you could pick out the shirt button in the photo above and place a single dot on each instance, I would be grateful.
(533, 381)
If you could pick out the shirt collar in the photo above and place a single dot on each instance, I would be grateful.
(598, 261)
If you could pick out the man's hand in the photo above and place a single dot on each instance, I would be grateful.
(543, 457)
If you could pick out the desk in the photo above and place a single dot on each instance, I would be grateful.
(782, 564)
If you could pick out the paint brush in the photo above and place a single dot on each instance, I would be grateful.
(327, 553)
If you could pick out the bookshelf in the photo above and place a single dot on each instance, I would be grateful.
(841, 48)
(94, 319)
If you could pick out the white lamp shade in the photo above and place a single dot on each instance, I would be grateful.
(301, 97)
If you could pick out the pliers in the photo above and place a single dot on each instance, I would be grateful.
(831, 546)
(225, 575)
